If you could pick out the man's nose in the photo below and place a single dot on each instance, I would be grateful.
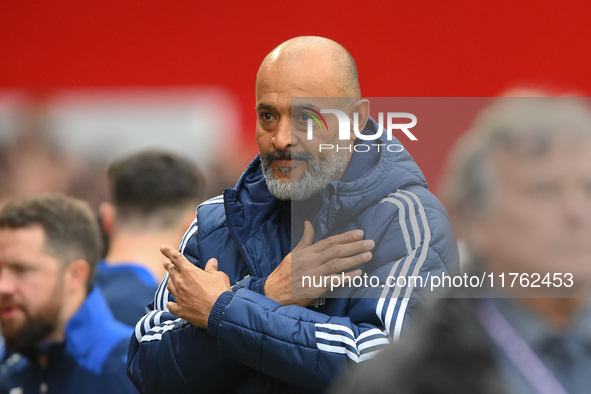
(7, 283)
(282, 137)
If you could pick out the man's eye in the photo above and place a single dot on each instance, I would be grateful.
(305, 116)
(267, 116)
(302, 119)
(20, 269)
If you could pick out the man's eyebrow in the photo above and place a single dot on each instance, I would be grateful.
(300, 107)
(17, 263)
(295, 107)
(263, 106)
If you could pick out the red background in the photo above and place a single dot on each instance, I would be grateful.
(402, 48)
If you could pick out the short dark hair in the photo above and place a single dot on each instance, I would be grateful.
(154, 185)
(71, 229)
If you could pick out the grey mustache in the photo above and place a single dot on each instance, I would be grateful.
(286, 155)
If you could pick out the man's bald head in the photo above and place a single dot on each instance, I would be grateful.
(337, 58)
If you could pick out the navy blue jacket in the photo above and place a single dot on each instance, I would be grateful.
(91, 360)
(127, 288)
(254, 344)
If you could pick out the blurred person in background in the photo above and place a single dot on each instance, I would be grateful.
(240, 328)
(519, 188)
(34, 162)
(153, 195)
(62, 333)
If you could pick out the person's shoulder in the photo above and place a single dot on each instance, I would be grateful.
(116, 359)
(211, 215)
(212, 203)
(93, 334)
(411, 219)
(112, 377)
(114, 368)
(414, 207)
(127, 294)
(133, 274)
(414, 198)
(413, 210)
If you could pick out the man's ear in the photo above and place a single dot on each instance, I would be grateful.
(77, 274)
(107, 213)
(361, 107)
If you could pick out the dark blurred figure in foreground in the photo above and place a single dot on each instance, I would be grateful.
(64, 337)
(520, 190)
(153, 196)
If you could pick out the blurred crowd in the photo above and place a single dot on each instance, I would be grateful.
(64, 141)
(82, 238)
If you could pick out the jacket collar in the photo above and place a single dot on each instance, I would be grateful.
(364, 185)
(92, 324)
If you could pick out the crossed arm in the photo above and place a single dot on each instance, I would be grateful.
(246, 330)
(197, 290)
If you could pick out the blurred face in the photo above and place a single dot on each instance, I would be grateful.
(540, 219)
(293, 166)
(31, 289)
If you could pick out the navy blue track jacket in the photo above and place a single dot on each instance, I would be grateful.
(91, 360)
(254, 344)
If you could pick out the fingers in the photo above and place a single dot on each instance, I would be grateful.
(174, 256)
(341, 264)
(348, 237)
(347, 249)
(173, 271)
(337, 253)
(170, 286)
(211, 266)
(173, 308)
(308, 237)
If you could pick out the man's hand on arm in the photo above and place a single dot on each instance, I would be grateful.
(194, 289)
(328, 257)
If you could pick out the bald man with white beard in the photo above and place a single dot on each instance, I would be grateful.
(233, 313)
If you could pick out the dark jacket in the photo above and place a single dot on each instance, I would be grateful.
(254, 344)
(91, 360)
(127, 288)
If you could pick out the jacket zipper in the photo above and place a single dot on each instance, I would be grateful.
(249, 265)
